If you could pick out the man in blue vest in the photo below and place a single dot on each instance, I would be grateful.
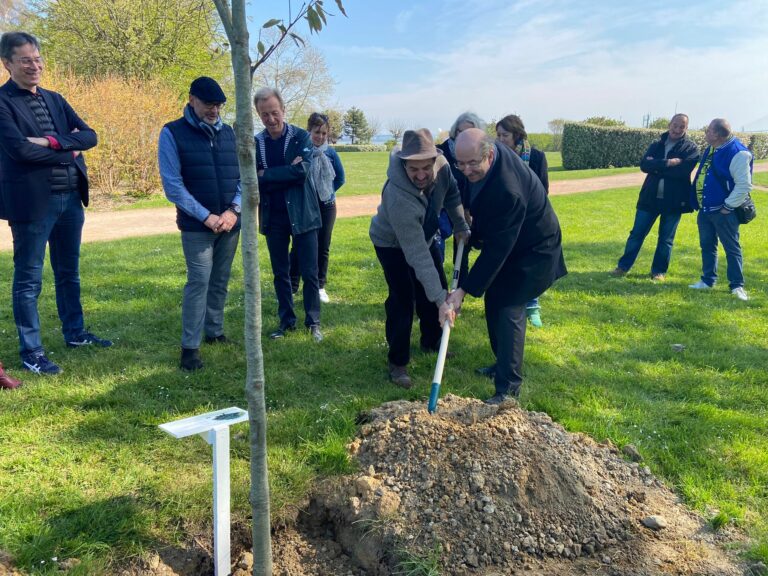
(722, 184)
(43, 188)
(198, 166)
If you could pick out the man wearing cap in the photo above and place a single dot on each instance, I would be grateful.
(198, 166)
(43, 188)
(518, 235)
(419, 184)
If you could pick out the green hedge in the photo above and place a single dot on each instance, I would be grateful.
(586, 146)
(541, 141)
(360, 148)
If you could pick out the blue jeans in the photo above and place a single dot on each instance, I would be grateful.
(61, 229)
(209, 262)
(644, 221)
(278, 241)
(725, 227)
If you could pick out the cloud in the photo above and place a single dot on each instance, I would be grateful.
(402, 20)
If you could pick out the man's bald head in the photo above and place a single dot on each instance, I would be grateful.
(474, 153)
(718, 132)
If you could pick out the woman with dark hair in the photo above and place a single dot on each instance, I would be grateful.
(511, 132)
(326, 174)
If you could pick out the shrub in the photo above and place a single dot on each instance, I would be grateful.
(586, 146)
(542, 141)
(360, 148)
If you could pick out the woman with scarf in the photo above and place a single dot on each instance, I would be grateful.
(511, 132)
(327, 176)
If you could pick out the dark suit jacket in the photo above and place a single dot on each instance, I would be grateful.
(517, 232)
(25, 168)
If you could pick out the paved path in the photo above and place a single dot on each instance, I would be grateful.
(103, 226)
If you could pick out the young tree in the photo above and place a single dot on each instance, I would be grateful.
(233, 19)
(556, 127)
(301, 74)
(336, 122)
(396, 127)
(374, 127)
(356, 125)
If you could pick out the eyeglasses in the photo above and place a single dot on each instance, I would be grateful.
(471, 164)
(212, 105)
(29, 61)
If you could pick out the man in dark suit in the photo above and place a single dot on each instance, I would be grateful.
(518, 235)
(43, 187)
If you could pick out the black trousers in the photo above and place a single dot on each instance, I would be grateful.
(328, 215)
(278, 240)
(506, 330)
(405, 291)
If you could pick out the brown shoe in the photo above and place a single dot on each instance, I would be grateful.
(399, 376)
(618, 272)
(658, 277)
(6, 381)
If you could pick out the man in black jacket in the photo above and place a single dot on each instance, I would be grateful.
(43, 187)
(665, 193)
(518, 235)
(288, 208)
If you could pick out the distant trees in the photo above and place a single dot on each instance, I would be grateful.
(173, 40)
(556, 127)
(356, 126)
(336, 122)
(659, 124)
(604, 121)
(301, 74)
(396, 127)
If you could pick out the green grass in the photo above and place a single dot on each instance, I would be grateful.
(760, 178)
(86, 473)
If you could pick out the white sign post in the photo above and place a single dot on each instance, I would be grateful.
(214, 428)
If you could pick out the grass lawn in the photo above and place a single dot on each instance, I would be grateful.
(86, 473)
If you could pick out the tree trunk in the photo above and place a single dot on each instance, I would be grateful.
(237, 32)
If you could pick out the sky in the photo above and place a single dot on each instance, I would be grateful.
(424, 62)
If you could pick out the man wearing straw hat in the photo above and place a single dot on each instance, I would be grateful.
(419, 184)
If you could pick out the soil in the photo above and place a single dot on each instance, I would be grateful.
(103, 223)
(478, 490)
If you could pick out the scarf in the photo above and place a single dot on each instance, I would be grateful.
(705, 164)
(322, 173)
(523, 149)
(209, 129)
(288, 130)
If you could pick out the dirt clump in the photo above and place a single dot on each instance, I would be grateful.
(493, 490)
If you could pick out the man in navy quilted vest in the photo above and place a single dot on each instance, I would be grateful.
(722, 184)
(198, 166)
(43, 188)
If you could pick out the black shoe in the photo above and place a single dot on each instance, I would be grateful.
(316, 333)
(496, 399)
(38, 363)
(281, 332)
(220, 339)
(190, 359)
(487, 371)
(88, 339)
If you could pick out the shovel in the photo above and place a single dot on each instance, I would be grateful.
(438, 376)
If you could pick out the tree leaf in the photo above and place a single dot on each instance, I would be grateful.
(341, 7)
(270, 23)
(260, 47)
(297, 39)
(315, 24)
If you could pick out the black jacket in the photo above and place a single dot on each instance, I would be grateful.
(517, 232)
(26, 168)
(677, 179)
(538, 163)
(291, 180)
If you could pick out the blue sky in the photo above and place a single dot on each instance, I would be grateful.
(425, 62)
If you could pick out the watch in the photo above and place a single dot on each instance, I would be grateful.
(235, 208)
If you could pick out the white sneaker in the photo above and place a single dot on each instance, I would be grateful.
(740, 294)
(324, 296)
(700, 285)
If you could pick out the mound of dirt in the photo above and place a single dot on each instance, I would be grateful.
(493, 490)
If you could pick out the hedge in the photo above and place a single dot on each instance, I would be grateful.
(360, 148)
(587, 146)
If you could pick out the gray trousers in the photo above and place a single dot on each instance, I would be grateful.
(209, 262)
